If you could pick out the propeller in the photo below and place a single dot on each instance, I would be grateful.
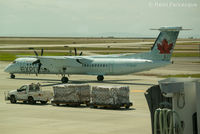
(42, 51)
(39, 65)
(38, 60)
(77, 60)
(36, 53)
(75, 51)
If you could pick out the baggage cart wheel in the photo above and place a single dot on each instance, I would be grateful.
(95, 106)
(127, 107)
(43, 102)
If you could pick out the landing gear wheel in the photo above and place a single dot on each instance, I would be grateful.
(12, 76)
(13, 99)
(64, 80)
(31, 100)
(43, 102)
(127, 107)
(100, 77)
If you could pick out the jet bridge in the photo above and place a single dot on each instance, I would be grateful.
(175, 106)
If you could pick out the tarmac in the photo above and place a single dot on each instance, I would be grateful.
(24, 118)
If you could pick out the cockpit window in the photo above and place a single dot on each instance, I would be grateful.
(14, 62)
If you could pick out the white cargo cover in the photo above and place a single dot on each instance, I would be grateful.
(72, 93)
(110, 95)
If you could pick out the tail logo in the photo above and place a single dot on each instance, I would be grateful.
(165, 47)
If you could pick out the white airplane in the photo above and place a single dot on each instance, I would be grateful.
(100, 65)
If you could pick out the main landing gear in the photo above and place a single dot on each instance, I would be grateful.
(12, 76)
(64, 79)
(100, 77)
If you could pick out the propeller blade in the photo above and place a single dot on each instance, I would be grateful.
(75, 50)
(81, 54)
(42, 51)
(39, 66)
(35, 53)
(77, 60)
(36, 62)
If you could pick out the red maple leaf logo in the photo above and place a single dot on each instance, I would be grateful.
(164, 47)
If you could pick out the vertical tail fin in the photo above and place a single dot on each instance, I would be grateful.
(165, 43)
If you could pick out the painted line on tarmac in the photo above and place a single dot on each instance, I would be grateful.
(138, 91)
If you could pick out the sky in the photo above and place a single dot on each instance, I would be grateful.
(97, 18)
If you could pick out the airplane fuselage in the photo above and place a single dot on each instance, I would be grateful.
(97, 66)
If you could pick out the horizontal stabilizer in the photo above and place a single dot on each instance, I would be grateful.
(170, 29)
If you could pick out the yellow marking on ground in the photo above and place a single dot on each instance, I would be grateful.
(138, 91)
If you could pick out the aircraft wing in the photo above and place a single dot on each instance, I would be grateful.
(82, 60)
(64, 60)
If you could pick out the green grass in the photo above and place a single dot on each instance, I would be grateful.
(196, 62)
(173, 55)
(10, 56)
(185, 54)
(7, 56)
(107, 53)
(78, 48)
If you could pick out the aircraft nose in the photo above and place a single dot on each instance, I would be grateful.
(7, 69)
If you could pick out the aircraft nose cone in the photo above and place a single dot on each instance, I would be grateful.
(7, 69)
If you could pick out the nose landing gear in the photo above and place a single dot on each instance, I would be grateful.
(12, 76)
(100, 77)
(64, 79)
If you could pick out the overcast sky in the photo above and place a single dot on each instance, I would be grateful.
(131, 18)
